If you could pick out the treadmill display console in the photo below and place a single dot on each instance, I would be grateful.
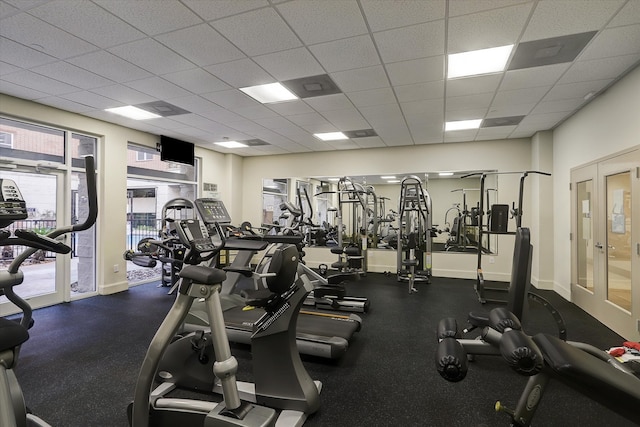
(212, 210)
(12, 205)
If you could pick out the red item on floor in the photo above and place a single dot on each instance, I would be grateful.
(617, 352)
(631, 344)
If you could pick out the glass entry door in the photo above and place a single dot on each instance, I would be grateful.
(606, 246)
(43, 271)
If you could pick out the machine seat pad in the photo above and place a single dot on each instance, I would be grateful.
(478, 319)
(257, 297)
(337, 251)
(336, 279)
(340, 265)
(203, 275)
(410, 262)
(591, 376)
(12, 334)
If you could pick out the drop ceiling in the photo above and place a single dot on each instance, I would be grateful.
(387, 59)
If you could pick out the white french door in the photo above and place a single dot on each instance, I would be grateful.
(606, 242)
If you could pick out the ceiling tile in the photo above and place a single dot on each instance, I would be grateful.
(382, 17)
(7, 68)
(500, 132)
(361, 79)
(152, 20)
(416, 71)
(394, 136)
(308, 119)
(123, 94)
(552, 18)
(201, 45)
(22, 56)
(210, 10)
(544, 120)
(532, 77)
(457, 8)
(329, 102)
(613, 42)
(158, 87)
(241, 73)
(417, 41)
(7, 10)
(348, 119)
(72, 75)
(369, 142)
(275, 123)
(473, 85)
(88, 21)
(477, 101)
(151, 56)
(482, 30)
(64, 104)
(558, 106)
(258, 32)
(460, 135)
(383, 115)
(20, 91)
(43, 37)
(598, 69)
(196, 80)
(346, 54)
(290, 108)
(427, 133)
(318, 22)
(365, 98)
(230, 99)
(627, 15)
(465, 114)
(255, 112)
(110, 66)
(39, 82)
(576, 90)
(290, 64)
(420, 109)
(520, 96)
(510, 110)
(91, 99)
(420, 91)
(320, 128)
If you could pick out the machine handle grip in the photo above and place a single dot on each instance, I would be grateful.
(42, 242)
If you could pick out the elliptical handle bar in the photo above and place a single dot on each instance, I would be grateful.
(92, 196)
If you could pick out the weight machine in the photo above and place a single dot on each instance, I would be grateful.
(498, 223)
(414, 233)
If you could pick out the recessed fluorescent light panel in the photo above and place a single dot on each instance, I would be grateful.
(445, 174)
(393, 181)
(330, 136)
(334, 179)
(132, 112)
(462, 125)
(231, 144)
(477, 62)
(273, 92)
(388, 177)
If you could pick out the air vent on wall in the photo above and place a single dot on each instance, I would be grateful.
(554, 50)
(308, 87)
(162, 108)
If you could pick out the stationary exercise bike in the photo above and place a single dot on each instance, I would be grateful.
(281, 380)
(13, 411)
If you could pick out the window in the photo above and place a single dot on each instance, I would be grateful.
(143, 156)
(32, 142)
(6, 140)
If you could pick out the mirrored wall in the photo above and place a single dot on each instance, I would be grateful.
(359, 205)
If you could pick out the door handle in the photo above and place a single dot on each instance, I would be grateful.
(599, 246)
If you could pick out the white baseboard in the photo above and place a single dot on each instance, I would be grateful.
(562, 290)
(113, 288)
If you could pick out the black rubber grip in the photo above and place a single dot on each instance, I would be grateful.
(521, 353)
(451, 360)
(448, 328)
(502, 319)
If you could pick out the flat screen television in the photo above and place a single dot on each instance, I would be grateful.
(175, 150)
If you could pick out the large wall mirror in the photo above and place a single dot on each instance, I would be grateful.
(326, 205)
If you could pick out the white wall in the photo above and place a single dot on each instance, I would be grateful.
(609, 124)
(503, 155)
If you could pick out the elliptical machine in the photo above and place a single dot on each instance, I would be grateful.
(13, 411)
(281, 380)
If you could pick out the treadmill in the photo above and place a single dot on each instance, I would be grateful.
(319, 333)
